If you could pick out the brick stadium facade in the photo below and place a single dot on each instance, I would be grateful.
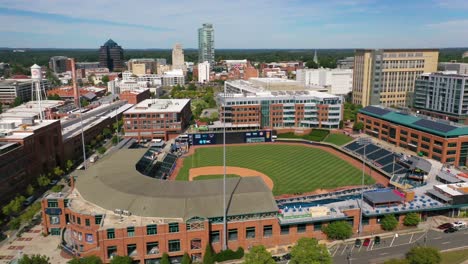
(92, 226)
(436, 140)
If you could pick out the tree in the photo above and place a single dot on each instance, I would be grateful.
(69, 165)
(208, 258)
(121, 260)
(341, 125)
(54, 97)
(358, 126)
(43, 181)
(86, 260)
(84, 102)
(34, 259)
(411, 219)
(58, 171)
(424, 255)
(14, 224)
(258, 255)
(308, 251)
(389, 222)
(115, 139)
(105, 79)
(101, 150)
(186, 259)
(192, 87)
(106, 132)
(18, 101)
(14, 206)
(29, 190)
(165, 259)
(338, 230)
(312, 65)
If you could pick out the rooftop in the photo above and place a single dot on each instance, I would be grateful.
(114, 183)
(159, 106)
(436, 127)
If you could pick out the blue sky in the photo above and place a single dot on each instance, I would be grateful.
(238, 24)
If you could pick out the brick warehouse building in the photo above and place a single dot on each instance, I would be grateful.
(437, 140)
(157, 118)
(112, 209)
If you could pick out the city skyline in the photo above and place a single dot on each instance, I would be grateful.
(276, 25)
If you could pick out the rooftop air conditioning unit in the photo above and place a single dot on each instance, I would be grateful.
(118, 211)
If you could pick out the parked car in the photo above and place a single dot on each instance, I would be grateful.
(358, 243)
(366, 242)
(29, 200)
(450, 230)
(445, 226)
(459, 224)
(54, 182)
(377, 240)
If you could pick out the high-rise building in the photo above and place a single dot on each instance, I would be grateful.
(206, 48)
(178, 62)
(387, 76)
(111, 56)
(203, 72)
(58, 64)
(142, 66)
(443, 95)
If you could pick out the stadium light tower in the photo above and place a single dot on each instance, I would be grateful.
(363, 141)
(224, 173)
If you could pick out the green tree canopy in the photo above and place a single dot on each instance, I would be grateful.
(34, 259)
(186, 259)
(424, 255)
(105, 79)
(14, 206)
(69, 165)
(54, 97)
(412, 219)
(389, 222)
(338, 230)
(86, 260)
(58, 171)
(358, 126)
(311, 64)
(208, 258)
(396, 261)
(18, 101)
(121, 260)
(309, 251)
(43, 181)
(165, 259)
(258, 255)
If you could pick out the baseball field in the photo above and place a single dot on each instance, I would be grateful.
(292, 168)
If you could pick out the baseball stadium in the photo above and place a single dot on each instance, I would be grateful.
(143, 202)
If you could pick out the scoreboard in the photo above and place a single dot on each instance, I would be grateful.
(198, 139)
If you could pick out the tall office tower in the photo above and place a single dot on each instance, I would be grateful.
(111, 56)
(178, 62)
(386, 77)
(58, 64)
(206, 48)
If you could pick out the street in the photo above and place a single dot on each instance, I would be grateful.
(396, 247)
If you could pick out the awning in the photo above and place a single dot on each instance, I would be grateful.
(448, 177)
(439, 195)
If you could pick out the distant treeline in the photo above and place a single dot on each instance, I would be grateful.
(328, 56)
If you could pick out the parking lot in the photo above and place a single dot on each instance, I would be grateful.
(385, 242)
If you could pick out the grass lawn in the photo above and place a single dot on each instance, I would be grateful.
(314, 135)
(212, 177)
(293, 169)
(454, 257)
(338, 139)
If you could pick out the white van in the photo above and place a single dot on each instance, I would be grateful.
(93, 158)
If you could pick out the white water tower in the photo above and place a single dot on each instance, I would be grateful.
(36, 87)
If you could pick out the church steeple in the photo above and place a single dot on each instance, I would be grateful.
(315, 57)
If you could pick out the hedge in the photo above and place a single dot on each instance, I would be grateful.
(229, 255)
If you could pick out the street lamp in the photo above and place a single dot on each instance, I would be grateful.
(224, 172)
(363, 141)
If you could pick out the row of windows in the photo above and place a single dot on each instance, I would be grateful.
(150, 230)
(152, 248)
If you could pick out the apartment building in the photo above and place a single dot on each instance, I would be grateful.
(459, 68)
(22, 88)
(386, 76)
(157, 118)
(142, 66)
(443, 95)
(245, 104)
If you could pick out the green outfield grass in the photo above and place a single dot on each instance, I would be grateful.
(338, 139)
(212, 177)
(293, 169)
